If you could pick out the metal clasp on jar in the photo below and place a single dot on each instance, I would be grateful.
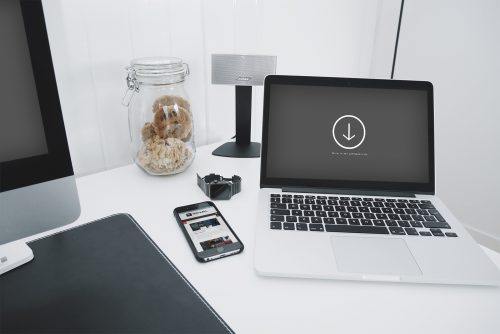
(132, 86)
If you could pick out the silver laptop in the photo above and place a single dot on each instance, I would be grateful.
(348, 186)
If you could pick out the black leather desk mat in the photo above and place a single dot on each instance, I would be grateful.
(107, 276)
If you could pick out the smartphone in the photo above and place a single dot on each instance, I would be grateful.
(207, 232)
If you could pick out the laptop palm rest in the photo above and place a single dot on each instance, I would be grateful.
(374, 257)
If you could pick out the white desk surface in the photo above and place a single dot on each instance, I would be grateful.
(253, 304)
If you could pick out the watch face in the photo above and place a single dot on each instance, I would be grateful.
(220, 191)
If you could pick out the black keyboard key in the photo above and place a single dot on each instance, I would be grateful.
(367, 199)
(345, 215)
(341, 221)
(390, 205)
(298, 196)
(340, 208)
(375, 210)
(403, 223)
(275, 200)
(304, 219)
(401, 205)
(291, 219)
(316, 207)
(276, 225)
(397, 230)
(293, 206)
(286, 200)
(451, 234)
(411, 231)
(297, 212)
(394, 216)
(333, 214)
(368, 204)
(437, 232)
(356, 229)
(275, 195)
(379, 200)
(328, 208)
(328, 220)
(399, 211)
(354, 221)
(378, 222)
(298, 201)
(410, 211)
(405, 217)
(280, 212)
(426, 206)
(309, 213)
(275, 218)
(387, 210)
(356, 199)
(321, 201)
(288, 226)
(412, 206)
(391, 223)
(321, 197)
(381, 216)
(415, 224)
(421, 212)
(378, 204)
(355, 203)
(317, 227)
(278, 206)
(425, 233)
(366, 222)
(364, 209)
(345, 198)
(309, 201)
(305, 207)
(414, 201)
(320, 213)
(344, 203)
(287, 195)
(369, 216)
(424, 201)
(316, 220)
(390, 200)
(430, 218)
(333, 198)
(330, 202)
(352, 209)
(310, 196)
(417, 217)
(436, 225)
(402, 200)
(301, 227)
(357, 215)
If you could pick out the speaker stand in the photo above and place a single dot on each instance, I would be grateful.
(243, 147)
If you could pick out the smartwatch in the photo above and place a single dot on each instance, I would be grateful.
(218, 187)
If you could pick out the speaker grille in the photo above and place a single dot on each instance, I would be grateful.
(241, 70)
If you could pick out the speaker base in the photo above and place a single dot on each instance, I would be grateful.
(234, 150)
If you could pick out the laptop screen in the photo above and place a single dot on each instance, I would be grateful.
(348, 133)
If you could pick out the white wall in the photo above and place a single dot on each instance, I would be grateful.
(456, 46)
(93, 40)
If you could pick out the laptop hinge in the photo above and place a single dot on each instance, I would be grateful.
(347, 191)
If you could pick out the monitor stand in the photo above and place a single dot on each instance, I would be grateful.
(13, 255)
(243, 147)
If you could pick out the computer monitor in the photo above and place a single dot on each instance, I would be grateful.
(37, 185)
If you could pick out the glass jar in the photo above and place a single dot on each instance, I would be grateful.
(160, 118)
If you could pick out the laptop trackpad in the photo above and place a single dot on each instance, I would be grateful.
(374, 256)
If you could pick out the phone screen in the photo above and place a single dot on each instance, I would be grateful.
(208, 230)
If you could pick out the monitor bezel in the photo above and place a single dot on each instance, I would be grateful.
(57, 162)
(369, 186)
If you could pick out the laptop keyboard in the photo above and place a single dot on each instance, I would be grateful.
(373, 215)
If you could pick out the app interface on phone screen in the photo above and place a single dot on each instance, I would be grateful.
(206, 228)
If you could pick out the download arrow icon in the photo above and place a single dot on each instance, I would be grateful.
(348, 137)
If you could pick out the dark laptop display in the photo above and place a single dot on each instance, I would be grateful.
(348, 133)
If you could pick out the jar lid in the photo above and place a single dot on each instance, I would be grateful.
(158, 66)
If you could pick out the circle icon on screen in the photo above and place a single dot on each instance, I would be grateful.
(349, 132)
